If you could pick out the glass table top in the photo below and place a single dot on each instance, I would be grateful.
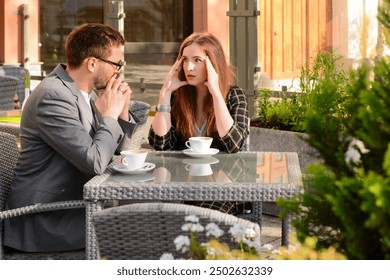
(244, 167)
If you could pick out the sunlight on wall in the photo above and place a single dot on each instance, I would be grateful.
(363, 29)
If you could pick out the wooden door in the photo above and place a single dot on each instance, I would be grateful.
(290, 32)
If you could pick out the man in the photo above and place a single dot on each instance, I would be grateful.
(68, 135)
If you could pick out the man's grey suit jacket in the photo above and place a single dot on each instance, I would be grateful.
(61, 149)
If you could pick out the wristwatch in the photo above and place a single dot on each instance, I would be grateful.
(163, 108)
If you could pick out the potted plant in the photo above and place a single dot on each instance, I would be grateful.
(280, 125)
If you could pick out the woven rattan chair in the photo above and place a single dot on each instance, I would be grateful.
(10, 128)
(8, 89)
(148, 230)
(21, 74)
(9, 155)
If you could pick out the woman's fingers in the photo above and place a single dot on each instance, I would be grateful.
(177, 65)
(209, 66)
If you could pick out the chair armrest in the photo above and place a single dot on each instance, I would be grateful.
(42, 207)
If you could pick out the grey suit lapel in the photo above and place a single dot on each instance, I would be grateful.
(85, 111)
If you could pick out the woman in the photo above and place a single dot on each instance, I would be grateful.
(199, 89)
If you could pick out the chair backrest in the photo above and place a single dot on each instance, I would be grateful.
(148, 230)
(10, 128)
(141, 111)
(21, 74)
(8, 157)
(8, 89)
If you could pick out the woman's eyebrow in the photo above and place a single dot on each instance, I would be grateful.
(196, 56)
(199, 56)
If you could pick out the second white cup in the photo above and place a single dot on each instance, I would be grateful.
(133, 159)
(199, 144)
(199, 169)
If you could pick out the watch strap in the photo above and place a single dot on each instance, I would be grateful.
(163, 108)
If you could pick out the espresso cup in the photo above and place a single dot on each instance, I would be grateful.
(199, 144)
(133, 159)
(199, 169)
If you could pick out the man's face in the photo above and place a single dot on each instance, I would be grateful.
(108, 67)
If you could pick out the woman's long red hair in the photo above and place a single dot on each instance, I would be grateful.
(184, 106)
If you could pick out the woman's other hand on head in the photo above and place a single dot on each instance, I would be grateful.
(212, 77)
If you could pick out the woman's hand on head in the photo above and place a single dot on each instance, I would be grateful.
(172, 81)
(212, 78)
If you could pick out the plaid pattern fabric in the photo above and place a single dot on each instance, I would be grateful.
(232, 142)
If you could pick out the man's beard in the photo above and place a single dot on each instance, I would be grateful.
(101, 85)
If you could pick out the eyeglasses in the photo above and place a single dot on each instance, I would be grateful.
(118, 65)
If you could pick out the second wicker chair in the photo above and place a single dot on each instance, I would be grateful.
(147, 230)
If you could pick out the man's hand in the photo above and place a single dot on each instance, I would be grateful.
(114, 99)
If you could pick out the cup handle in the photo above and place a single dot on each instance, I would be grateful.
(188, 145)
(187, 167)
(123, 161)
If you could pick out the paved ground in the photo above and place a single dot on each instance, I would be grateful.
(271, 232)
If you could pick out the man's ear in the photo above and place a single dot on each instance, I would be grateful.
(91, 63)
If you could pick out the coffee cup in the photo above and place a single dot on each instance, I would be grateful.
(199, 169)
(133, 160)
(199, 144)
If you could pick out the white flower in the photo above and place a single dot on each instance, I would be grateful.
(191, 218)
(182, 243)
(192, 227)
(186, 227)
(197, 228)
(355, 149)
(252, 244)
(167, 256)
(238, 232)
(241, 233)
(212, 229)
(250, 233)
(268, 247)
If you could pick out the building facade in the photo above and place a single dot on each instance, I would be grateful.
(288, 33)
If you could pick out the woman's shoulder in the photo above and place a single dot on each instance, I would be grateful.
(236, 90)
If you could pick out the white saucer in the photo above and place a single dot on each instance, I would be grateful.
(208, 160)
(119, 167)
(191, 153)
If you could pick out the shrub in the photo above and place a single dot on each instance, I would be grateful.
(289, 112)
(346, 203)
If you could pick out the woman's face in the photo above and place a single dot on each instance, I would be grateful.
(194, 65)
